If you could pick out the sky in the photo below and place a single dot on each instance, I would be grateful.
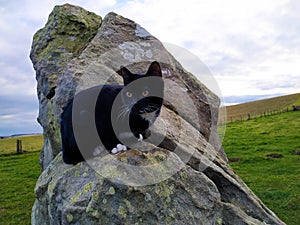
(251, 48)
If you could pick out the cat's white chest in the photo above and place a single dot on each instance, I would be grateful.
(148, 116)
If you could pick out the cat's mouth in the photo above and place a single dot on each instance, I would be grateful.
(150, 112)
(147, 110)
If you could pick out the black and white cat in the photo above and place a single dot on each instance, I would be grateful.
(111, 117)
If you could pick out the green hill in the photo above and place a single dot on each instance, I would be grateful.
(265, 153)
(259, 108)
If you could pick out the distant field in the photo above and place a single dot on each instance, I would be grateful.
(29, 144)
(275, 180)
(261, 107)
(18, 175)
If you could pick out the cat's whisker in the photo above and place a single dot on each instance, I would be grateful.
(153, 104)
(122, 114)
(148, 110)
(124, 111)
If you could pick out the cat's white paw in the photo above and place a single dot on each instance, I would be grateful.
(140, 137)
(119, 148)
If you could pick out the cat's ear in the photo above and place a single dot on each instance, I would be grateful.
(126, 74)
(154, 70)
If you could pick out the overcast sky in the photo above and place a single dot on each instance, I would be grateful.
(252, 48)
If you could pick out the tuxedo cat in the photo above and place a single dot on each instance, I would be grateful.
(111, 117)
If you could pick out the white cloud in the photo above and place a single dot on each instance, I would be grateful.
(238, 40)
(251, 47)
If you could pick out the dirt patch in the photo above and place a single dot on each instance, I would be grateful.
(296, 152)
(235, 159)
(273, 155)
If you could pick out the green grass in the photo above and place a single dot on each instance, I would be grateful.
(275, 181)
(18, 175)
(29, 144)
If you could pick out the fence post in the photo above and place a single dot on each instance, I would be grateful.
(249, 116)
(19, 147)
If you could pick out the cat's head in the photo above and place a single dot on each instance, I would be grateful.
(143, 94)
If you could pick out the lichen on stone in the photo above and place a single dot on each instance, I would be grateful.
(75, 197)
(77, 173)
(183, 176)
(111, 191)
(86, 169)
(73, 30)
(122, 211)
(69, 218)
(88, 187)
(164, 191)
(95, 196)
(93, 212)
(135, 52)
(219, 221)
(85, 174)
(128, 204)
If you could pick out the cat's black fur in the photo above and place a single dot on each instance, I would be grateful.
(106, 115)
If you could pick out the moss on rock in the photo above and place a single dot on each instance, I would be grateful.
(68, 30)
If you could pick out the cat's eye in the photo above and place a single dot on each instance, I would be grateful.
(145, 93)
(128, 94)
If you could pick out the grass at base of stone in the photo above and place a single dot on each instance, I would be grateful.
(18, 175)
(275, 181)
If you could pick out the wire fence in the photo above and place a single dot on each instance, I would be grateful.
(254, 115)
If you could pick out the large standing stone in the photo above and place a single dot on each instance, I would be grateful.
(186, 180)
(68, 31)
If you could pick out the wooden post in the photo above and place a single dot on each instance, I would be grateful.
(19, 147)
(249, 116)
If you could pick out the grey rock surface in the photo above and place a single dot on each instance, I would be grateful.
(68, 30)
(185, 180)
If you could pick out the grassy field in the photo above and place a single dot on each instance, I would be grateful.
(275, 181)
(18, 175)
(29, 144)
(260, 107)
